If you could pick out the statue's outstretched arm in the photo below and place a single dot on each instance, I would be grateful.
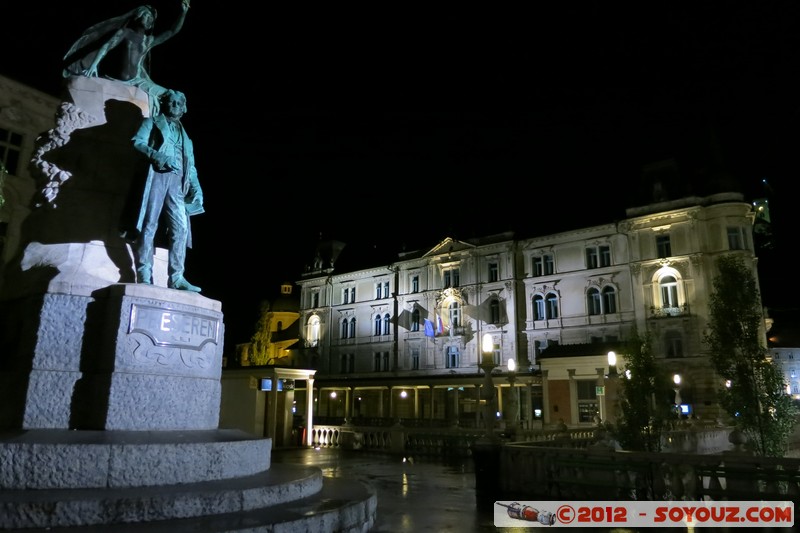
(176, 26)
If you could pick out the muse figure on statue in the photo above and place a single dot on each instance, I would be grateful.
(171, 187)
(123, 45)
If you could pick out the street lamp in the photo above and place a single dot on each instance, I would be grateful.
(487, 391)
(513, 399)
(610, 386)
(676, 379)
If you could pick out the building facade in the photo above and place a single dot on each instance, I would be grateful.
(404, 340)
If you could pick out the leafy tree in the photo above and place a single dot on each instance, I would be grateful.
(642, 402)
(756, 397)
(259, 343)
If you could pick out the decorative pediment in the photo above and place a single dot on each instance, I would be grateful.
(448, 246)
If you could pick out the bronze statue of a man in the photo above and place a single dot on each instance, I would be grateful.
(171, 187)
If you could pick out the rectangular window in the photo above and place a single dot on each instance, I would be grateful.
(386, 362)
(452, 357)
(549, 265)
(414, 283)
(10, 147)
(736, 238)
(663, 246)
(538, 308)
(315, 299)
(538, 266)
(347, 363)
(605, 256)
(378, 291)
(451, 278)
(346, 296)
(414, 358)
(593, 302)
(352, 295)
(493, 272)
(592, 260)
(377, 363)
(386, 289)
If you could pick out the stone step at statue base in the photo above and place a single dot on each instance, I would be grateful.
(97, 481)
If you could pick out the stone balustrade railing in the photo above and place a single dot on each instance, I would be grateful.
(530, 471)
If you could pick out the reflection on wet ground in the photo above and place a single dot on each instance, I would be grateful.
(414, 494)
(426, 494)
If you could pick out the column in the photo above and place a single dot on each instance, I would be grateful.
(309, 410)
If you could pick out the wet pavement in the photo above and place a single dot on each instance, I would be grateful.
(416, 494)
(429, 494)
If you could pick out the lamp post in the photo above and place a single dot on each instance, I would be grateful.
(611, 386)
(487, 391)
(513, 402)
(676, 379)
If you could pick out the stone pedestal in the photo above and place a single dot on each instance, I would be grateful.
(110, 390)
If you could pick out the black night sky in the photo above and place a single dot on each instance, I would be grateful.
(391, 126)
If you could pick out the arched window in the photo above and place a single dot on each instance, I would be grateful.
(552, 305)
(609, 300)
(668, 286)
(377, 324)
(353, 328)
(312, 333)
(344, 328)
(538, 307)
(593, 301)
(386, 328)
(494, 311)
(415, 320)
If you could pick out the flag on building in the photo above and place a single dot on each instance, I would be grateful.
(429, 328)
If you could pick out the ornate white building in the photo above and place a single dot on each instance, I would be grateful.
(403, 340)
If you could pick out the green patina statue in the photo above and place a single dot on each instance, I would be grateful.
(171, 187)
(119, 49)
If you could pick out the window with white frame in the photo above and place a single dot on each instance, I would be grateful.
(598, 256)
(736, 238)
(593, 301)
(378, 291)
(551, 305)
(543, 265)
(386, 293)
(451, 278)
(387, 330)
(346, 295)
(345, 328)
(378, 325)
(452, 357)
(494, 311)
(352, 328)
(312, 331)
(668, 289)
(538, 307)
(455, 314)
(609, 300)
(415, 283)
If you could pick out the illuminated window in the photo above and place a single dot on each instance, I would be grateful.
(668, 286)
(588, 405)
(312, 333)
